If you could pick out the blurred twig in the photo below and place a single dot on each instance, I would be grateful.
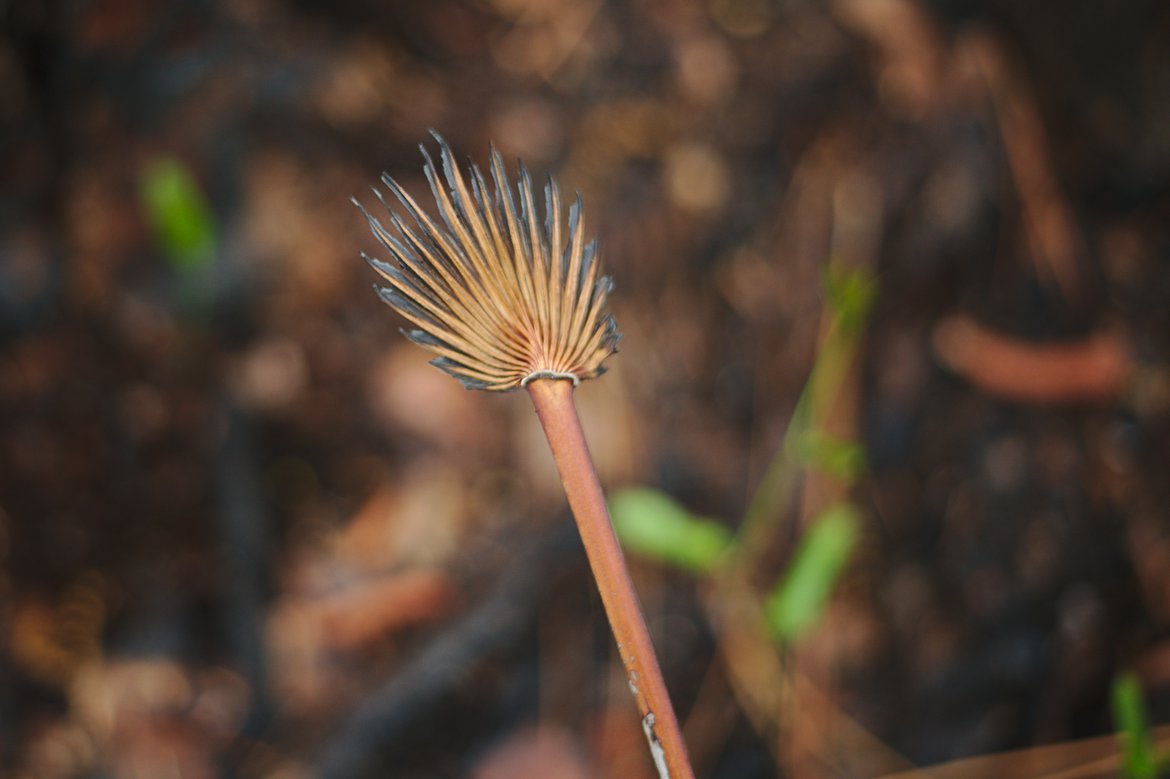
(1091, 370)
(1053, 236)
(1092, 758)
(492, 628)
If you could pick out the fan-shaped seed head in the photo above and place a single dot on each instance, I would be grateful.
(501, 296)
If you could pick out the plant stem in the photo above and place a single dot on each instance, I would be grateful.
(553, 399)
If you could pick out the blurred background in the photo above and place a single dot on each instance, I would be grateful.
(888, 433)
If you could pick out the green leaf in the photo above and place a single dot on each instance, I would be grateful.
(1129, 717)
(179, 214)
(837, 457)
(798, 601)
(650, 523)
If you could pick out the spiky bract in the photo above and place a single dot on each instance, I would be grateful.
(500, 296)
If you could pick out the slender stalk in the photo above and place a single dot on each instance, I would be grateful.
(553, 399)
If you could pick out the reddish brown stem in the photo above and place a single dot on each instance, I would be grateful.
(553, 399)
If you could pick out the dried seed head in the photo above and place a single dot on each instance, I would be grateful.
(501, 296)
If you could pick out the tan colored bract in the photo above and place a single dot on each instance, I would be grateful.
(502, 297)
